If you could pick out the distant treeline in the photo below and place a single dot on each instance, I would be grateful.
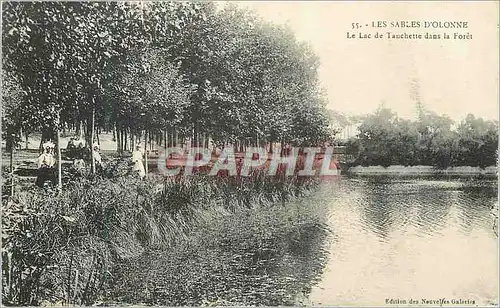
(384, 139)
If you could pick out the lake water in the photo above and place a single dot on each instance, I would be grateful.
(355, 241)
(401, 239)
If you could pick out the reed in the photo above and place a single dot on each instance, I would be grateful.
(97, 239)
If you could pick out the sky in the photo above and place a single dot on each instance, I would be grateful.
(453, 77)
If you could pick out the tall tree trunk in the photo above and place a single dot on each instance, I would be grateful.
(118, 144)
(122, 140)
(165, 144)
(40, 146)
(80, 130)
(26, 142)
(146, 151)
(132, 141)
(92, 161)
(119, 139)
(11, 167)
(88, 133)
(193, 138)
(59, 162)
(125, 139)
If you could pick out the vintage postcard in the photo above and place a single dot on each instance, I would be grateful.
(253, 153)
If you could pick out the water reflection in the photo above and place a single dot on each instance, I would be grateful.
(409, 238)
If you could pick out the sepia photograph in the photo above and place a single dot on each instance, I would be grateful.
(250, 153)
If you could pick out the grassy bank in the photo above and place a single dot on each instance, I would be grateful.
(188, 241)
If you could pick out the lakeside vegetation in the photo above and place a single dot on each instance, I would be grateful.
(189, 241)
(384, 139)
(157, 73)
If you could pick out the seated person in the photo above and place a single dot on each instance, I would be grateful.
(71, 143)
(46, 162)
(97, 157)
(79, 164)
(79, 143)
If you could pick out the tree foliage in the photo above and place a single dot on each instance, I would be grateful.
(160, 66)
(384, 139)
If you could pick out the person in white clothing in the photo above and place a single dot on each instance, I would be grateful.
(137, 160)
(45, 164)
(96, 155)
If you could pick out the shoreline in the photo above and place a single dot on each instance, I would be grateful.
(420, 170)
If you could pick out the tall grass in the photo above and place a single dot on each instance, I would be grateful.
(181, 241)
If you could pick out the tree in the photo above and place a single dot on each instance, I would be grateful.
(384, 139)
(435, 139)
(147, 93)
(59, 52)
(12, 98)
(477, 142)
(376, 137)
(247, 81)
